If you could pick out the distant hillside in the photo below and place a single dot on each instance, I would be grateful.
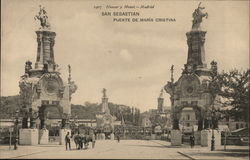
(9, 105)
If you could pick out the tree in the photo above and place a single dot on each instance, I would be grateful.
(235, 94)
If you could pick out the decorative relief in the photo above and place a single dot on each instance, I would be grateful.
(189, 86)
(72, 88)
(52, 84)
(26, 90)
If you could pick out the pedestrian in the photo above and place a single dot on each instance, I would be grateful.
(15, 142)
(118, 138)
(93, 140)
(82, 140)
(192, 139)
(67, 141)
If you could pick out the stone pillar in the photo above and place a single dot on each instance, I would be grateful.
(102, 136)
(28, 136)
(197, 136)
(112, 136)
(62, 134)
(43, 136)
(176, 137)
(206, 137)
(160, 104)
(45, 52)
(196, 51)
(153, 136)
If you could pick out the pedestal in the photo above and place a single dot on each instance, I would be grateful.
(62, 135)
(153, 137)
(98, 136)
(176, 137)
(28, 136)
(102, 136)
(197, 137)
(43, 136)
(206, 137)
(112, 136)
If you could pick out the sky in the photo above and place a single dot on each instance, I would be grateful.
(131, 60)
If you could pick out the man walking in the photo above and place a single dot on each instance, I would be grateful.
(118, 138)
(192, 141)
(93, 140)
(67, 141)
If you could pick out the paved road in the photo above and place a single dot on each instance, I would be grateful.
(106, 149)
(126, 149)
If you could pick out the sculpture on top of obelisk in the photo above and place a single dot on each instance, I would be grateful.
(43, 18)
(198, 15)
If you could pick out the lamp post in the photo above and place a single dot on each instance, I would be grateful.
(16, 129)
(212, 139)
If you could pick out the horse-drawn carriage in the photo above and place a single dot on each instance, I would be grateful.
(82, 136)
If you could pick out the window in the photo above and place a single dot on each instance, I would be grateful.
(188, 117)
(188, 124)
(237, 126)
(241, 125)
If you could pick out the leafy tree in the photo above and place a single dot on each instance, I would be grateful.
(235, 94)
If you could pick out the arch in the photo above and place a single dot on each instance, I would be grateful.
(42, 115)
(237, 126)
(199, 113)
(241, 125)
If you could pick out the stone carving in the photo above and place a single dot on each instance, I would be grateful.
(38, 90)
(214, 67)
(43, 18)
(26, 90)
(72, 85)
(161, 93)
(65, 120)
(104, 92)
(170, 87)
(28, 66)
(198, 15)
(33, 116)
(52, 84)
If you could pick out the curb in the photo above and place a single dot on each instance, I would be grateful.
(25, 155)
(186, 155)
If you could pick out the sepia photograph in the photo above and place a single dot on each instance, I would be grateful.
(128, 79)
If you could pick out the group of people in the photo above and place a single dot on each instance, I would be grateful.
(81, 140)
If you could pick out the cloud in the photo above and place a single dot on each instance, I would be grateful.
(125, 55)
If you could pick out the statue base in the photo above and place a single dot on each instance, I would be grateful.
(153, 137)
(197, 137)
(206, 137)
(62, 134)
(28, 136)
(112, 136)
(43, 136)
(102, 136)
(176, 137)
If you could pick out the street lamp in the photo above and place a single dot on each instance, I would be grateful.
(16, 129)
(212, 140)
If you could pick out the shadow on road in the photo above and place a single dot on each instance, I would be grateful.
(221, 154)
(148, 146)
